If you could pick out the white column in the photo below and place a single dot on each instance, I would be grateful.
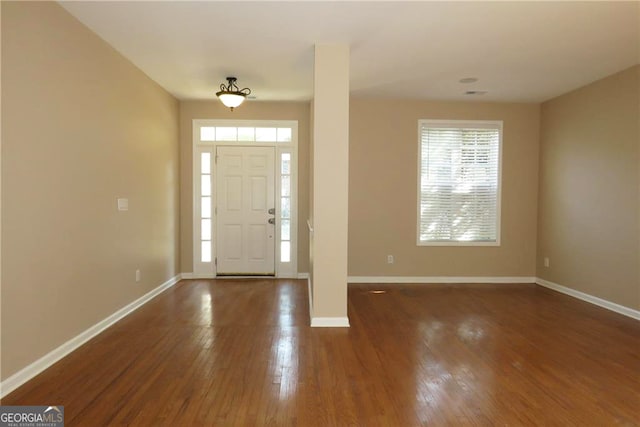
(330, 185)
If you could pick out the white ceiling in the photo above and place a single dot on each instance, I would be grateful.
(519, 51)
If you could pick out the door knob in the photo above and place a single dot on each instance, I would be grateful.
(272, 211)
(272, 221)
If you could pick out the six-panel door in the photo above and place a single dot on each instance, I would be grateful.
(245, 178)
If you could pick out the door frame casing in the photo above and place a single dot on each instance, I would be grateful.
(208, 270)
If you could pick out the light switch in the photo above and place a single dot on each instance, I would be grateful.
(123, 204)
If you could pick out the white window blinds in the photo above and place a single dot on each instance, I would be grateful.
(459, 182)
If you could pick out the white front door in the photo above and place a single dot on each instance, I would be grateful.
(245, 178)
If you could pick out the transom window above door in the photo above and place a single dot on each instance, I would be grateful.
(245, 134)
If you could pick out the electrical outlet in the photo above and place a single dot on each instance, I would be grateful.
(546, 261)
(390, 259)
(138, 275)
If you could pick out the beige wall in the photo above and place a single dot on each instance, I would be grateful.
(383, 191)
(330, 181)
(589, 216)
(250, 110)
(81, 126)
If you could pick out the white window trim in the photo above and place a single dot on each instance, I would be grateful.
(283, 270)
(486, 124)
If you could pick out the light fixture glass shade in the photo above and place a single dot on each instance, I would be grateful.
(230, 95)
(231, 100)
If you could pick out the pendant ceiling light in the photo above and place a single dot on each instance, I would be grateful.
(230, 95)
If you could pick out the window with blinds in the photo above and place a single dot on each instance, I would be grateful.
(459, 182)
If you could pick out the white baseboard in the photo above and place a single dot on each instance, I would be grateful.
(324, 322)
(310, 298)
(439, 279)
(626, 311)
(213, 276)
(189, 276)
(30, 371)
(329, 322)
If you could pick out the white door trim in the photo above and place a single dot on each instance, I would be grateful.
(283, 269)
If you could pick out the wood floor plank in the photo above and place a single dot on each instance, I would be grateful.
(241, 353)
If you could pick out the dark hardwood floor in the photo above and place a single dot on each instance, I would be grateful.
(241, 353)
